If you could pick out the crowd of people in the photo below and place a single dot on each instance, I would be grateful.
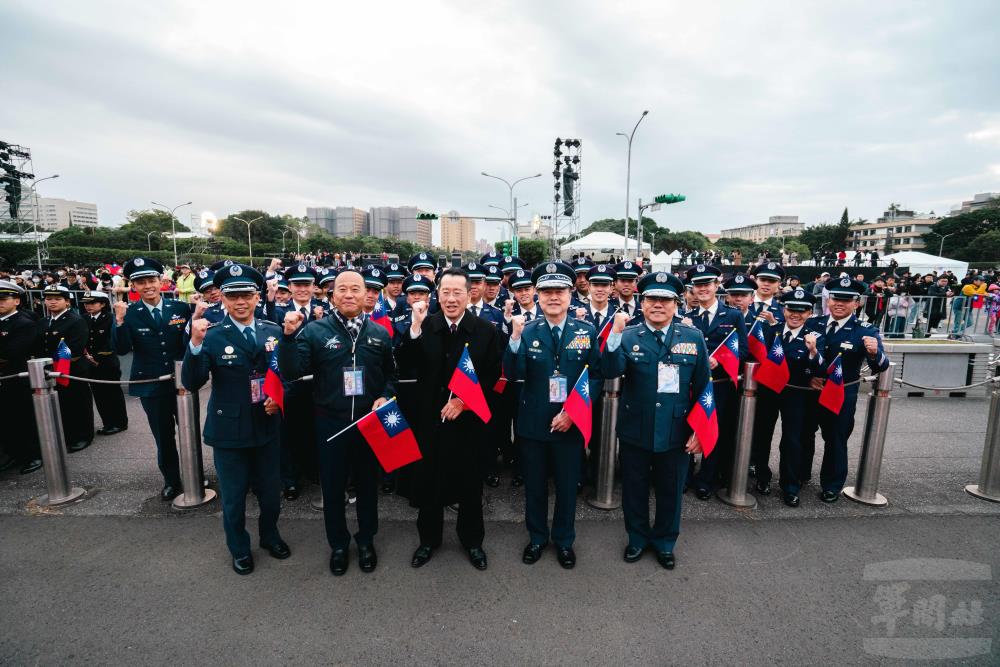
(349, 339)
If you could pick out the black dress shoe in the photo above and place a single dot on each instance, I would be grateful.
(291, 492)
(31, 466)
(828, 496)
(421, 556)
(367, 559)
(169, 492)
(517, 481)
(79, 445)
(632, 554)
(111, 430)
(9, 464)
(579, 488)
(566, 557)
(790, 499)
(243, 565)
(338, 562)
(702, 494)
(478, 558)
(492, 481)
(388, 487)
(763, 488)
(666, 559)
(532, 553)
(277, 549)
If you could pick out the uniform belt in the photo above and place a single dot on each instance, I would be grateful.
(104, 354)
(72, 359)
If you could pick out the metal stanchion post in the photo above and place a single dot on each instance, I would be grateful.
(736, 495)
(317, 502)
(865, 490)
(989, 472)
(50, 437)
(604, 492)
(192, 478)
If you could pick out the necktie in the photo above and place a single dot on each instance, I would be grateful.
(788, 337)
(556, 338)
(704, 318)
(625, 308)
(304, 312)
(597, 320)
(659, 337)
(475, 311)
(156, 317)
(527, 316)
(454, 328)
(830, 330)
(248, 334)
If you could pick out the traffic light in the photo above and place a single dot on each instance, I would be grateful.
(506, 248)
(669, 199)
(426, 216)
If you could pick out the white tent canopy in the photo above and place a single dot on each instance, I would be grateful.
(922, 262)
(599, 246)
(661, 261)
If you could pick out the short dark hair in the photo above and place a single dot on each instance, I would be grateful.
(454, 272)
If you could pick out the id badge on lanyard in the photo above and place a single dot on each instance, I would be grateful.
(557, 389)
(668, 379)
(354, 381)
(257, 388)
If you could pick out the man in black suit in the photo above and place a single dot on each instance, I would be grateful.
(18, 341)
(451, 468)
(62, 323)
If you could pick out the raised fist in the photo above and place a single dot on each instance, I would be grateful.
(293, 319)
(198, 329)
(121, 307)
(318, 312)
(516, 326)
(199, 310)
(508, 308)
(581, 313)
(419, 313)
(621, 319)
(810, 339)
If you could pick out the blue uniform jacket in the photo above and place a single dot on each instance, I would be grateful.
(231, 420)
(535, 362)
(801, 368)
(155, 349)
(648, 419)
(494, 316)
(775, 309)
(726, 319)
(846, 341)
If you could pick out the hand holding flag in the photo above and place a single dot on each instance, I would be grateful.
(773, 372)
(703, 420)
(832, 396)
(60, 363)
(579, 407)
(728, 356)
(273, 384)
(380, 314)
(465, 385)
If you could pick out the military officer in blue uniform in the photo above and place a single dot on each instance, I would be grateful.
(522, 290)
(802, 350)
(600, 308)
(242, 422)
(477, 302)
(259, 312)
(421, 264)
(765, 304)
(549, 354)
(496, 294)
(581, 291)
(100, 354)
(375, 282)
(325, 278)
(153, 329)
(856, 343)
(626, 281)
(508, 265)
(665, 369)
(395, 274)
(716, 321)
(209, 303)
(740, 290)
(415, 288)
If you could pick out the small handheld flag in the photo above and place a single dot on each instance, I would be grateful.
(703, 420)
(832, 396)
(465, 384)
(60, 362)
(388, 434)
(579, 407)
(773, 372)
(728, 356)
(602, 335)
(273, 385)
(380, 315)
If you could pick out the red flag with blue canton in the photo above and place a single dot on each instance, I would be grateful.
(465, 384)
(832, 396)
(728, 355)
(274, 387)
(60, 363)
(602, 335)
(773, 372)
(578, 406)
(380, 315)
(703, 420)
(389, 436)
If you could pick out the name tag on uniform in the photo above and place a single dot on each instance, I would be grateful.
(847, 346)
(354, 381)
(557, 389)
(668, 379)
(257, 388)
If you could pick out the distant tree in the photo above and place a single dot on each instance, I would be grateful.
(824, 237)
(617, 226)
(152, 220)
(964, 230)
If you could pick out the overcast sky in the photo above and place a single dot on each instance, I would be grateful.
(756, 109)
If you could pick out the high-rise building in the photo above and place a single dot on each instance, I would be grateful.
(323, 217)
(400, 222)
(55, 214)
(458, 233)
(342, 221)
(980, 200)
(777, 226)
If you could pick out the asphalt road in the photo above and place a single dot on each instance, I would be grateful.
(159, 591)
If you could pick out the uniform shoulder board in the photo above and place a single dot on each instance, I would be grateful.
(687, 326)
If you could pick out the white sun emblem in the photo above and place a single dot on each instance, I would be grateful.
(378, 306)
(838, 371)
(468, 365)
(392, 419)
(778, 351)
(585, 389)
(707, 400)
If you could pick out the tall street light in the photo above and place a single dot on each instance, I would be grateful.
(628, 176)
(149, 244)
(510, 219)
(248, 223)
(513, 207)
(34, 195)
(173, 228)
(943, 237)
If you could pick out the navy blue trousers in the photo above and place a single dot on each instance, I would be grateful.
(561, 460)
(161, 412)
(346, 456)
(665, 472)
(791, 405)
(240, 469)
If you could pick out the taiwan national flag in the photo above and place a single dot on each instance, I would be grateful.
(579, 407)
(773, 372)
(274, 387)
(728, 356)
(60, 363)
(703, 420)
(380, 315)
(465, 384)
(602, 335)
(832, 396)
(389, 436)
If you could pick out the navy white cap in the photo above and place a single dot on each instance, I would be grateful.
(95, 295)
(493, 274)
(772, 270)
(602, 273)
(661, 284)
(520, 278)
(56, 290)
(141, 267)
(238, 278)
(474, 270)
(300, 273)
(844, 288)
(395, 271)
(203, 280)
(798, 299)
(740, 284)
(421, 260)
(8, 288)
(703, 273)
(552, 275)
(374, 278)
(511, 263)
(417, 283)
(627, 270)
(582, 265)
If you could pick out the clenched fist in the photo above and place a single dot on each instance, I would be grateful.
(871, 345)
(508, 308)
(581, 313)
(293, 319)
(198, 329)
(318, 312)
(516, 327)
(121, 307)
(621, 319)
(418, 315)
(199, 310)
(810, 339)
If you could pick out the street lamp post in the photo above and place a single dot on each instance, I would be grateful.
(943, 237)
(173, 228)
(149, 244)
(34, 194)
(249, 242)
(509, 220)
(513, 207)
(628, 176)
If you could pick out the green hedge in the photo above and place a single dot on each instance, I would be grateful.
(91, 256)
(15, 252)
